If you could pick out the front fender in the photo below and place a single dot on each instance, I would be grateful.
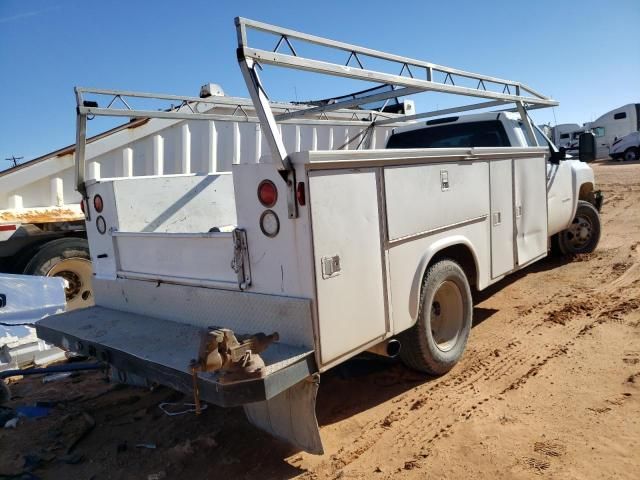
(433, 250)
(563, 192)
(581, 174)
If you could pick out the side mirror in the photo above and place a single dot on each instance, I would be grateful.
(561, 154)
(587, 147)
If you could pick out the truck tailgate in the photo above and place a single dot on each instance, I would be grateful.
(161, 351)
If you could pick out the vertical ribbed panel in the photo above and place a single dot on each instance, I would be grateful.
(213, 147)
(93, 170)
(158, 155)
(127, 162)
(258, 143)
(236, 143)
(185, 157)
(57, 195)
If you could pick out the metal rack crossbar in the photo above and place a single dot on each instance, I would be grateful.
(507, 90)
(123, 103)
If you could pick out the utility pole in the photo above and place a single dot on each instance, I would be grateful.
(14, 160)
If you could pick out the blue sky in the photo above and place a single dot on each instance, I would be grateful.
(586, 54)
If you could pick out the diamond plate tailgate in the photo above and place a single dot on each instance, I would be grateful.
(161, 351)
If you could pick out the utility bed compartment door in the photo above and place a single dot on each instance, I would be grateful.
(348, 260)
(502, 252)
(530, 200)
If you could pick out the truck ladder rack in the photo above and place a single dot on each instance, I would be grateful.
(407, 81)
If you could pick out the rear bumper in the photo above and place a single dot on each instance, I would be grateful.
(161, 351)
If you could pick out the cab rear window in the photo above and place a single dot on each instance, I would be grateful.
(489, 133)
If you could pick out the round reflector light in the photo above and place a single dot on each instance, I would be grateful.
(269, 223)
(97, 203)
(267, 193)
(101, 225)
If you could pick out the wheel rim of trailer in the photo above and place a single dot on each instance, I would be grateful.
(77, 274)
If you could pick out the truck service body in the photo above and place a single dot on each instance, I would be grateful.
(243, 287)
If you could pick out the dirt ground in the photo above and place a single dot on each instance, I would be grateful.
(549, 387)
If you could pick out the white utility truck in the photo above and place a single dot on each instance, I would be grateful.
(241, 288)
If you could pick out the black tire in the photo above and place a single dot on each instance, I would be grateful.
(67, 258)
(583, 234)
(630, 154)
(431, 347)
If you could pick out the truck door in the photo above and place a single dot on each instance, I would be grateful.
(502, 251)
(348, 260)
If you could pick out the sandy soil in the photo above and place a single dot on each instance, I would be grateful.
(549, 387)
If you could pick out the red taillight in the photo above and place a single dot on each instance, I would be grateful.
(300, 195)
(8, 228)
(267, 193)
(97, 203)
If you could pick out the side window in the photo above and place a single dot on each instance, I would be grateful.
(598, 131)
(564, 136)
(540, 138)
(620, 116)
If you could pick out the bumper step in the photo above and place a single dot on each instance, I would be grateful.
(161, 351)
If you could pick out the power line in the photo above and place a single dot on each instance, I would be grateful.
(14, 160)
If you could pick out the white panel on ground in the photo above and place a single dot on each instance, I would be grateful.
(348, 260)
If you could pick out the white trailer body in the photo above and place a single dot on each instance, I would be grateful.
(336, 251)
(41, 222)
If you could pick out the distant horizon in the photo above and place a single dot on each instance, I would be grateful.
(39, 44)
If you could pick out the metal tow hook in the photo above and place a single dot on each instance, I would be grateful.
(220, 351)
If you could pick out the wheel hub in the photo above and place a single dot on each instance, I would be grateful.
(446, 315)
(579, 233)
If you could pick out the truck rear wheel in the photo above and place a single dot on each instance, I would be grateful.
(67, 258)
(437, 340)
(583, 234)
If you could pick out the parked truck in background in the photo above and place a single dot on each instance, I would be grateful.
(241, 288)
(626, 148)
(614, 125)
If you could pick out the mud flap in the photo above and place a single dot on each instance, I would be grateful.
(291, 415)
